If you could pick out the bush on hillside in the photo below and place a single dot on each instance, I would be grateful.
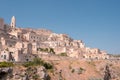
(73, 70)
(38, 62)
(48, 50)
(47, 65)
(6, 64)
(80, 70)
(63, 54)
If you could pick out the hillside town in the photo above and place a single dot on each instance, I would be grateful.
(23, 44)
(40, 54)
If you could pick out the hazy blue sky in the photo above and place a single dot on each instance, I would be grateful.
(96, 22)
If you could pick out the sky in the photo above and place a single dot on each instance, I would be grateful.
(95, 22)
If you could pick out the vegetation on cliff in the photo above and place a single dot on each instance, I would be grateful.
(6, 64)
(38, 62)
(62, 54)
(48, 50)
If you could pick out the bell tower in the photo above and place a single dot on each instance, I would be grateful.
(13, 22)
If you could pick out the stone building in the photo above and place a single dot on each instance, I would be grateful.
(5, 56)
(33, 37)
(18, 35)
(10, 54)
(1, 24)
(95, 54)
(13, 22)
(22, 43)
(8, 42)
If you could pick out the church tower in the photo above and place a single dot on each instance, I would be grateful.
(13, 22)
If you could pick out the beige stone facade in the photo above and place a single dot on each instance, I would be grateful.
(10, 54)
(33, 37)
(1, 23)
(22, 43)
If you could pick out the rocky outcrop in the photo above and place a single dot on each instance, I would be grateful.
(30, 73)
(5, 73)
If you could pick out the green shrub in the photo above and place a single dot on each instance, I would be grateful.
(63, 54)
(35, 76)
(27, 64)
(73, 70)
(37, 62)
(48, 50)
(93, 78)
(80, 70)
(92, 63)
(6, 64)
(48, 65)
(51, 51)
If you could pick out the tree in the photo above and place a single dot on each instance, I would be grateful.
(52, 51)
(107, 75)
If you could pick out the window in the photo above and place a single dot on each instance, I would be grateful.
(13, 59)
(4, 56)
(1, 56)
(83, 56)
(18, 36)
(10, 45)
(96, 57)
(89, 56)
(105, 58)
(33, 40)
(27, 60)
(23, 45)
(11, 52)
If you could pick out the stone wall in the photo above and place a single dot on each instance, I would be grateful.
(1, 23)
